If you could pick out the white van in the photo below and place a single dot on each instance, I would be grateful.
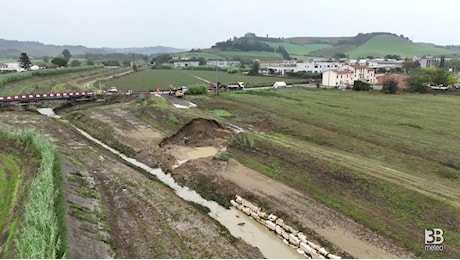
(279, 84)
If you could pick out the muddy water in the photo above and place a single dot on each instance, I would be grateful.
(235, 221)
(201, 152)
(47, 112)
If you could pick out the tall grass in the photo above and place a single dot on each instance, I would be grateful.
(11, 77)
(42, 228)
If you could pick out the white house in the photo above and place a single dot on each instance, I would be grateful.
(10, 66)
(313, 66)
(338, 78)
(186, 64)
(347, 76)
(223, 63)
(364, 73)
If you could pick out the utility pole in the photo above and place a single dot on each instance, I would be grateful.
(217, 86)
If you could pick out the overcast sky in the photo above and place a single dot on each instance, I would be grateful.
(201, 23)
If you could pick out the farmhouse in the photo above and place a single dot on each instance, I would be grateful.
(346, 76)
(186, 64)
(223, 63)
(9, 66)
(338, 78)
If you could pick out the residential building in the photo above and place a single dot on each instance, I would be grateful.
(429, 62)
(338, 78)
(312, 66)
(364, 74)
(347, 75)
(186, 64)
(223, 63)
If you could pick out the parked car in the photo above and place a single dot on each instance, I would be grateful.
(184, 89)
(112, 90)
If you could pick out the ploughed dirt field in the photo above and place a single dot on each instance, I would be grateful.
(115, 210)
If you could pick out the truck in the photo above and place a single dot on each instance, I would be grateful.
(236, 86)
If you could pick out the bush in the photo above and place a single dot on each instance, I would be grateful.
(232, 70)
(222, 156)
(390, 86)
(361, 86)
(197, 89)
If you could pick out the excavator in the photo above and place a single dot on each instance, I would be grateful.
(173, 91)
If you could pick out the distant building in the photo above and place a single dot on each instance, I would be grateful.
(347, 75)
(10, 66)
(429, 62)
(223, 63)
(186, 64)
(338, 78)
(364, 74)
(312, 66)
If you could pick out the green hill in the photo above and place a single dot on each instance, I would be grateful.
(296, 50)
(381, 45)
(377, 44)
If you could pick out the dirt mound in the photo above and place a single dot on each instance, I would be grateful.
(198, 132)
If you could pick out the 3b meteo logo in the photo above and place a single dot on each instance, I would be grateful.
(433, 239)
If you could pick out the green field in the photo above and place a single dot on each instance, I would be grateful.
(332, 51)
(382, 45)
(298, 49)
(154, 79)
(390, 162)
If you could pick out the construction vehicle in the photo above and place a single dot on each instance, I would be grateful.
(173, 91)
(236, 86)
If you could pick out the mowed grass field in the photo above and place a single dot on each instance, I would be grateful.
(381, 45)
(161, 79)
(390, 162)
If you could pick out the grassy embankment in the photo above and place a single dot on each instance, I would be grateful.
(382, 45)
(32, 212)
(154, 79)
(389, 162)
(54, 80)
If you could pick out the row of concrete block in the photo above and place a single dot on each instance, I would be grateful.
(288, 234)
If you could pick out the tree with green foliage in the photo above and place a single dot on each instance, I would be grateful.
(452, 80)
(442, 62)
(392, 57)
(46, 59)
(75, 63)
(160, 59)
(409, 66)
(283, 52)
(24, 61)
(59, 61)
(390, 86)
(454, 64)
(255, 67)
(340, 55)
(361, 86)
(66, 54)
(202, 61)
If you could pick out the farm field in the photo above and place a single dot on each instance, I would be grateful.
(157, 78)
(388, 162)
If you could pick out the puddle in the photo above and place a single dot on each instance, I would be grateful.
(201, 152)
(48, 112)
(251, 232)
